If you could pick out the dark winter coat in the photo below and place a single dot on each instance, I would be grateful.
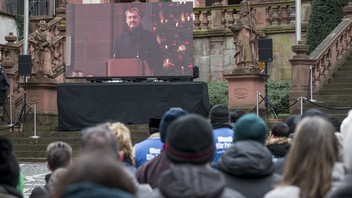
(139, 44)
(91, 190)
(248, 168)
(41, 191)
(182, 181)
(278, 146)
(9, 192)
(149, 173)
(344, 190)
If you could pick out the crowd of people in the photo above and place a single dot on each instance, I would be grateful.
(230, 154)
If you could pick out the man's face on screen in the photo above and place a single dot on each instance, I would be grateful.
(133, 20)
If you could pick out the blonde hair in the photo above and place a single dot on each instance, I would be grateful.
(311, 158)
(123, 138)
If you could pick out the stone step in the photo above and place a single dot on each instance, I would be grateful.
(342, 97)
(38, 147)
(345, 68)
(337, 86)
(28, 140)
(336, 91)
(342, 73)
(329, 104)
(38, 155)
(341, 80)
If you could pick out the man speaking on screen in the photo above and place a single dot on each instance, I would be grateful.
(136, 42)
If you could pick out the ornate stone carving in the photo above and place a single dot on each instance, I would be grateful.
(41, 50)
(240, 93)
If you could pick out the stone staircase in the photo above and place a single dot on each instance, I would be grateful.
(28, 149)
(335, 97)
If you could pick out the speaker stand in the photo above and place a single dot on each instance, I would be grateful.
(22, 115)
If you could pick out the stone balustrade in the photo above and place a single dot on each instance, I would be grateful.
(268, 15)
(332, 52)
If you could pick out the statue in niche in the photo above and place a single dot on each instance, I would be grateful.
(41, 50)
(245, 36)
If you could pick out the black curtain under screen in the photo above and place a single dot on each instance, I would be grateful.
(83, 105)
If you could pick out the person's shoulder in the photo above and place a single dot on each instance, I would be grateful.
(155, 194)
(230, 193)
(38, 191)
(284, 191)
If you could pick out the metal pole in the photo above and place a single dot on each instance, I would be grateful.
(11, 121)
(298, 21)
(311, 84)
(257, 102)
(35, 121)
(25, 30)
(301, 98)
(266, 89)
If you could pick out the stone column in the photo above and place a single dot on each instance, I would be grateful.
(300, 75)
(9, 60)
(42, 92)
(216, 57)
(216, 16)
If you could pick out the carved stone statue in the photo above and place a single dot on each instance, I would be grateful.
(41, 50)
(245, 36)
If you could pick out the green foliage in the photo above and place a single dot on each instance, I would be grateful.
(278, 93)
(218, 93)
(20, 26)
(326, 15)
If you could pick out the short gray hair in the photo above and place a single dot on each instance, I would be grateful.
(98, 137)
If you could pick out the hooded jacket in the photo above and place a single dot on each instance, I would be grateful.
(91, 190)
(278, 146)
(248, 168)
(192, 181)
(9, 192)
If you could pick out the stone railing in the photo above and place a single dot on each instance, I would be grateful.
(270, 16)
(331, 53)
(10, 52)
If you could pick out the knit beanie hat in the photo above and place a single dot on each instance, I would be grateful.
(251, 127)
(166, 120)
(219, 115)
(190, 140)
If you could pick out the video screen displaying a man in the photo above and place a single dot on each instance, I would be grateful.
(123, 40)
(136, 42)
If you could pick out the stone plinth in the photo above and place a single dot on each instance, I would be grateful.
(242, 88)
(42, 92)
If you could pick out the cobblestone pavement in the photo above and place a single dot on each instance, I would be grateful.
(34, 173)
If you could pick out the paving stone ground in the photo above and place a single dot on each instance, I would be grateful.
(34, 173)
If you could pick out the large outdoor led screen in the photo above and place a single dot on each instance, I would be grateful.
(129, 40)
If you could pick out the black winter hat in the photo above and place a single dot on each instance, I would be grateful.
(219, 115)
(167, 119)
(190, 140)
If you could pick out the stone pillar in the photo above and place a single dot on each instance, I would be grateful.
(216, 58)
(9, 59)
(242, 90)
(42, 92)
(216, 16)
(300, 75)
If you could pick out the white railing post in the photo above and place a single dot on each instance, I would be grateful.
(301, 98)
(34, 106)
